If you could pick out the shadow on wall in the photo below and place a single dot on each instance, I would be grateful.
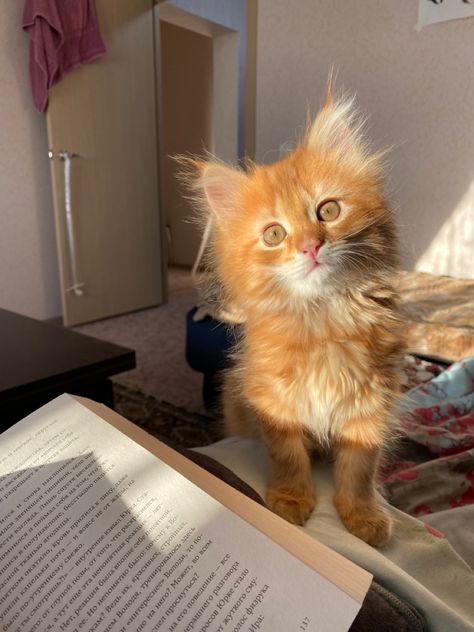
(452, 249)
(432, 177)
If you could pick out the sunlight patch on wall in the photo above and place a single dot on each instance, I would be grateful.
(452, 249)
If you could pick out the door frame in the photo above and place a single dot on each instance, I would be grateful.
(233, 26)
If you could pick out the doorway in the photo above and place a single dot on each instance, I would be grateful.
(186, 74)
(198, 62)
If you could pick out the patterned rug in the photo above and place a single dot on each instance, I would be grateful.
(168, 423)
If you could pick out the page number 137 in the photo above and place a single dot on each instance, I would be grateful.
(304, 624)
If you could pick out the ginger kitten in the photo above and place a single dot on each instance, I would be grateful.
(305, 249)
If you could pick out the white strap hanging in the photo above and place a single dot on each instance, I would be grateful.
(76, 286)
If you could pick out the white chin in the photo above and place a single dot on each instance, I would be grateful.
(314, 284)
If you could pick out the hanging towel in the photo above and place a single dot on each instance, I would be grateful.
(63, 35)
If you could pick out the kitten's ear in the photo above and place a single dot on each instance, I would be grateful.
(211, 184)
(222, 186)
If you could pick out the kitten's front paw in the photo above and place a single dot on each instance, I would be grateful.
(295, 506)
(370, 523)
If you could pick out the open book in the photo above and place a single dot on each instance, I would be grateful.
(102, 527)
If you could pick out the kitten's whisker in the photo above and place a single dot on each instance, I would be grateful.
(367, 256)
(361, 259)
(371, 258)
(353, 263)
(362, 228)
(361, 251)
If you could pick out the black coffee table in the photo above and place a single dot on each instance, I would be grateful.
(39, 361)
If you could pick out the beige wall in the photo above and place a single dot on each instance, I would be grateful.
(419, 88)
(28, 265)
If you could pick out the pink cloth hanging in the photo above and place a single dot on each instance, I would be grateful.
(63, 35)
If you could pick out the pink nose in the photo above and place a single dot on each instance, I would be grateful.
(312, 249)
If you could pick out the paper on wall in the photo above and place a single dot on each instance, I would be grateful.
(434, 11)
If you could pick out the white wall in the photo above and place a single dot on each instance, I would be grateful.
(28, 267)
(419, 88)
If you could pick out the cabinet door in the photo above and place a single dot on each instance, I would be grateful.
(104, 114)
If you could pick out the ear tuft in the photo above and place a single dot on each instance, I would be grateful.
(338, 130)
(330, 90)
(335, 128)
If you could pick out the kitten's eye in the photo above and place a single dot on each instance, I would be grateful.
(274, 235)
(328, 211)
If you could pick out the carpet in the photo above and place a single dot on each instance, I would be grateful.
(158, 337)
(167, 422)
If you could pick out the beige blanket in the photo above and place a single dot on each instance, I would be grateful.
(439, 312)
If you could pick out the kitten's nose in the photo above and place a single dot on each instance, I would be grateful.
(312, 249)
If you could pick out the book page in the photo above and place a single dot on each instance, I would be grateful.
(98, 534)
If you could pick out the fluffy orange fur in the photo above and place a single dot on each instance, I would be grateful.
(318, 364)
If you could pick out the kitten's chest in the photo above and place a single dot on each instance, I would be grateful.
(320, 385)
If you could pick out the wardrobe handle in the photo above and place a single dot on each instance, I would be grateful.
(66, 158)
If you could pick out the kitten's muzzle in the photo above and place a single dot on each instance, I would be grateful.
(312, 249)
